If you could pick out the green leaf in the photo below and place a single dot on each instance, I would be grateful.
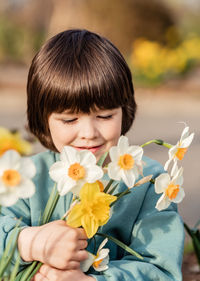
(102, 159)
(121, 244)
(50, 206)
(113, 189)
(108, 186)
(15, 269)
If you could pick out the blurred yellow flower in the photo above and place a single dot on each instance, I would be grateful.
(92, 211)
(9, 140)
(154, 61)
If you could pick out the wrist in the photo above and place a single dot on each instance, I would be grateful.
(26, 243)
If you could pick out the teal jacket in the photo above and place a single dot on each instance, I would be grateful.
(157, 235)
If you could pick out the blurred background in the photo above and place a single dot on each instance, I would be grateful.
(160, 41)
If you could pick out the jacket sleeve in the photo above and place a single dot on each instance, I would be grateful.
(8, 221)
(159, 237)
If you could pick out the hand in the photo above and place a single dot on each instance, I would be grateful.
(47, 273)
(55, 244)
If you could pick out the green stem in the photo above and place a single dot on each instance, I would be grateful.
(159, 142)
(108, 185)
(120, 195)
(121, 244)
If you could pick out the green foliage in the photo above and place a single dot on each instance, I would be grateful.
(17, 42)
(194, 233)
(153, 63)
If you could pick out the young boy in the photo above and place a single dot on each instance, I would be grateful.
(80, 93)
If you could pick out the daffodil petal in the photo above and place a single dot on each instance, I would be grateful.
(103, 265)
(65, 185)
(180, 196)
(113, 152)
(86, 264)
(113, 171)
(69, 155)
(10, 159)
(123, 144)
(184, 134)
(58, 170)
(74, 217)
(174, 169)
(8, 199)
(178, 175)
(27, 167)
(87, 157)
(187, 141)
(103, 243)
(136, 152)
(173, 150)
(25, 189)
(90, 225)
(128, 177)
(162, 203)
(166, 166)
(2, 188)
(102, 254)
(161, 182)
(88, 191)
(94, 173)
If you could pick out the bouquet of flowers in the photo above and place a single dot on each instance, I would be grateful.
(94, 194)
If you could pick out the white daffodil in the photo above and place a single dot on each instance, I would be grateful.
(171, 187)
(15, 177)
(178, 151)
(99, 262)
(126, 162)
(74, 169)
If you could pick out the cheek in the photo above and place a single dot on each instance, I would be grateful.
(113, 132)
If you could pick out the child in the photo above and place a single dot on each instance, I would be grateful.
(80, 93)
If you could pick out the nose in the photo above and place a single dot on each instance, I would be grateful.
(88, 128)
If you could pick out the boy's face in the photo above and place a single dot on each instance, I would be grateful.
(96, 131)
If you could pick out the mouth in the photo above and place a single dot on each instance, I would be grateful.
(93, 149)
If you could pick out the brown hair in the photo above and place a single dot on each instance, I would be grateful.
(77, 70)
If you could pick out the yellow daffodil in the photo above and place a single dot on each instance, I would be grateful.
(92, 211)
(15, 177)
(171, 187)
(98, 261)
(126, 162)
(74, 170)
(14, 141)
(178, 151)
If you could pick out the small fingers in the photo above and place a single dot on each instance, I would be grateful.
(39, 277)
(82, 244)
(80, 255)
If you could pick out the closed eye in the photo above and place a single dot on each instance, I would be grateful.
(105, 117)
(69, 121)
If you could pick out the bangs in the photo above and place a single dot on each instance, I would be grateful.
(86, 78)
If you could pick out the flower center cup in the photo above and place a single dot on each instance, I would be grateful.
(76, 172)
(101, 186)
(11, 178)
(172, 191)
(97, 263)
(126, 162)
(180, 153)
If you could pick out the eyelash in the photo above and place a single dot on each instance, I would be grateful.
(105, 117)
(71, 121)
